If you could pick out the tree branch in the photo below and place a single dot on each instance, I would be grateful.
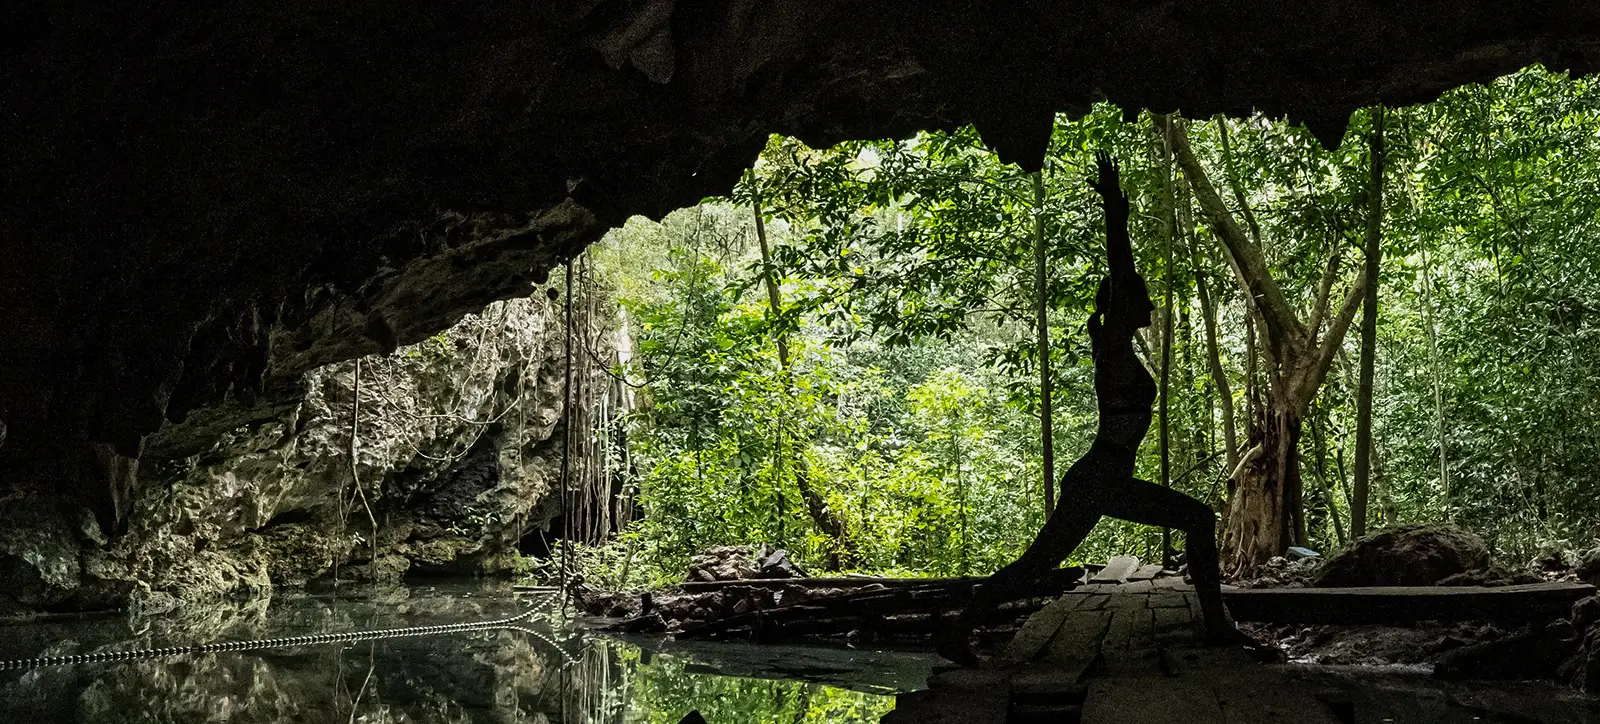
(1306, 387)
(1283, 327)
(1232, 172)
(1325, 290)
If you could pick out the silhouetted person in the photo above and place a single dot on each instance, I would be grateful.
(1101, 482)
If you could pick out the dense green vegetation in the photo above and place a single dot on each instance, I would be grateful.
(877, 407)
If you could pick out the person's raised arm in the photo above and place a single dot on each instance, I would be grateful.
(1119, 248)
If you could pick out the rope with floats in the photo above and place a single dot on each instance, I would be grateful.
(512, 623)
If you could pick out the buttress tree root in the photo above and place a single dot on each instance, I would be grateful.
(1101, 482)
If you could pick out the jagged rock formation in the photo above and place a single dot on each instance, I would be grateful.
(203, 203)
(458, 451)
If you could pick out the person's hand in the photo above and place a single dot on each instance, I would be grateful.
(1109, 184)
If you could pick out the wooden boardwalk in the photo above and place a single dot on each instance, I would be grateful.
(1110, 653)
(1125, 649)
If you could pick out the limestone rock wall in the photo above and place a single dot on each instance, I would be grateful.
(457, 452)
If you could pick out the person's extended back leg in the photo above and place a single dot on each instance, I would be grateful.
(1144, 502)
(1061, 535)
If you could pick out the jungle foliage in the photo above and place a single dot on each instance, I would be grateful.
(902, 433)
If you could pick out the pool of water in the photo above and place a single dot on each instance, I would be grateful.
(547, 669)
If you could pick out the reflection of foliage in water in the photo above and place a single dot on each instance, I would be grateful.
(497, 677)
(664, 691)
(616, 683)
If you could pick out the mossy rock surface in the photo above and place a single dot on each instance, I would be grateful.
(1414, 555)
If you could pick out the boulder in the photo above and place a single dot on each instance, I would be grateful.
(778, 565)
(1416, 555)
(1588, 569)
(1581, 670)
(1296, 553)
(1553, 560)
(1582, 667)
(1586, 612)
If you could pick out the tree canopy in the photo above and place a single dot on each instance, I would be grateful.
(904, 290)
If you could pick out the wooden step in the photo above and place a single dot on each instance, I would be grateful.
(1405, 604)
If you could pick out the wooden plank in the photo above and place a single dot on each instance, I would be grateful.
(1118, 632)
(1403, 604)
(1079, 638)
(1171, 583)
(1206, 661)
(1144, 633)
(1096, 602)
(1058, 577)
(970, 679)
(1166, 600)
(1146, 572)
(1150, 700)
(1036, 633)
(1048, 682)
(1268, 699)
(1117, 570)
(1174, 625)
(1135, 587)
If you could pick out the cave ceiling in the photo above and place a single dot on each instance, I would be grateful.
(204, 200)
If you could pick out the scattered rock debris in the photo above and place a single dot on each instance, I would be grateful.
(1281, 572)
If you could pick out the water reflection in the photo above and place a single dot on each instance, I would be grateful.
(539, 671)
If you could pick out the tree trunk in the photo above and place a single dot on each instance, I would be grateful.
(1369, 330)
(767, 278)
(1438, 382)
(1266, 513)
(1164, 434)
(1046, 409)
(821, 515)
(1232, 172)
(1219, 377)
(1320, 444)
(1260, 521)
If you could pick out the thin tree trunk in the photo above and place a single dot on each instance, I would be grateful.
(1252, 378)
(829, 524)
(1320, 444)
(566, 442)
(1232, 172)
(1164, 431)
(1046, 403)
(1219, 377)
(1438, 381)
(768, 279)
(961, 487)
(1369, 330)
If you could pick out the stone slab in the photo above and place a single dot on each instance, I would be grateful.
(1166, 600)
(1041, 627)
(1079, 637)
(1135, 587)
(1146, 572)
(1140, 700)
(1117, 570)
